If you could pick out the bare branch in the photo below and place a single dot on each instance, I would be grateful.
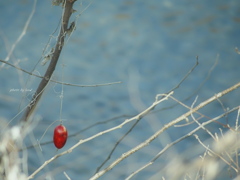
(139, 116)
(115, 146)
(57, 51)
(179, 140)
(155, 135)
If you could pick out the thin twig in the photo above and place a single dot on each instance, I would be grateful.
(66, 175)
(115, 146)
(139, 116)
(177, 86)
(179, 140)
(155, 135)
(145, 143)
(198, 123)
(59, 82)
(214, 153)
(77, 133)
(186, 76)
(22, 34)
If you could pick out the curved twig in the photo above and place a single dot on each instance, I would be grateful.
(59, 82)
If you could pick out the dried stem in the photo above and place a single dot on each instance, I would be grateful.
(58, 48)
(165, 127)
(137, 117)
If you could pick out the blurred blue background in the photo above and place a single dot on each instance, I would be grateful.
(147, 45)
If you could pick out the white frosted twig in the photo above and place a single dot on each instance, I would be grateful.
(237, 120)
(165, 127)
(198, 123)
(177, 141)
(66, 175)
(215, 153)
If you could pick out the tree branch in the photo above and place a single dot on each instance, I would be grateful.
(67, 5)
(165, 127)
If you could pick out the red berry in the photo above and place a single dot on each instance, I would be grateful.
(60, 136)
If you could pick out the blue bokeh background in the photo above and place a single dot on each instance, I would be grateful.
(147, 45)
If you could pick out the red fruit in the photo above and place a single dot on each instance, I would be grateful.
(60, 136)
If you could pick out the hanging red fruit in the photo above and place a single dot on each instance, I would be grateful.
(60, 136)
